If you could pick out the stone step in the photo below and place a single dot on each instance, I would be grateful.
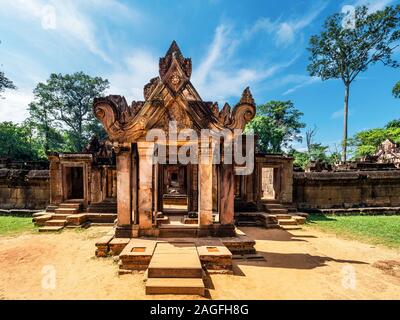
(162, 220)
(77, 219)
(60, 216)
(185, 286)
(282, 216)
(50, 229)
(70, 205)
(41, 220)
(55, 223)
(299, 219)
(172, 231)
(278, 211)
(178, 271)
(288, 228)
(51, 208)
(68, 211)
(287, 222)
(302, 214)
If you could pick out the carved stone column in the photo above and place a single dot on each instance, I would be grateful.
(205, 186)
(227, 194)
(55, 180)
(145, 188)
(124, 185)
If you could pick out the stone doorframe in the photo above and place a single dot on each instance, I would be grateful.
(58, 164)
(250, 187)
(283, 176)
(138, 196)
(85, 176)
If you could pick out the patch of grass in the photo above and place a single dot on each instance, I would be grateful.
(15, 225)
(383, 230)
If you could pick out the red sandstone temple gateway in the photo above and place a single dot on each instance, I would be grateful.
(171, 199)
(144, 189)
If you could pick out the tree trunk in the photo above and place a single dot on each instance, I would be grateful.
(346, 116)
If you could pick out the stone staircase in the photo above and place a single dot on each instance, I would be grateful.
(61, 217)
(287, 217)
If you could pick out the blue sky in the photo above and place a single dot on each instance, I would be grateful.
(233, 44)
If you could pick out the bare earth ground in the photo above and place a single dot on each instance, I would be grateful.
(304, 264)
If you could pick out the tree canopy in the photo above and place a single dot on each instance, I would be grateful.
(340, 52)
(366, 142)
(64, 105)
(396, 90)
(17, 142)
(5, 83)
(277, 125)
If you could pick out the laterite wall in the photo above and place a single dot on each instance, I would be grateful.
(326, 190)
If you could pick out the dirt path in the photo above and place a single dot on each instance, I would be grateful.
(304, 264)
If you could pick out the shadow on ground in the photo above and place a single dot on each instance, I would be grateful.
(301, 261)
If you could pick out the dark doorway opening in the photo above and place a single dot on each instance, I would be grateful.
(74, 180)
(174, 190)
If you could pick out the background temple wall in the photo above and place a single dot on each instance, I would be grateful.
(30, 189)
(328, 190)
(24, 189)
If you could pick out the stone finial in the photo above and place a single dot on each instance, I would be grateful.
(175, 52)
(173, 48)
(247, 97)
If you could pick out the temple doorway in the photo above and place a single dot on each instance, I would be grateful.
(270, 183)
(74, 183)
(175, 190)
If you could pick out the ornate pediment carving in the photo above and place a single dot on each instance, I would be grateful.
(150, 87)
(175, 52)
(241, 114)
(170, 97)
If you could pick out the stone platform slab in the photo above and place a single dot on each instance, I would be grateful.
(175, 260)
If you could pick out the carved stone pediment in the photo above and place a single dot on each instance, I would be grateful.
(170, 97)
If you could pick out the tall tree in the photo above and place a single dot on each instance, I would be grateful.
(345, 52)
(66, 101)
(396, 90)
(277, 124)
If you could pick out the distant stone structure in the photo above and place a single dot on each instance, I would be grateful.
(88, 177)
(388, 152)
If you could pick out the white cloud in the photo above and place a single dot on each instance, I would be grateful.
(303, 83)
(285, 32)
(138, 68)
(217, 79)
(71, 20)
(14, 104)
(219, 43)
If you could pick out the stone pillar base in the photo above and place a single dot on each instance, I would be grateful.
(152, 232)
(127, 231)
(217, 230)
